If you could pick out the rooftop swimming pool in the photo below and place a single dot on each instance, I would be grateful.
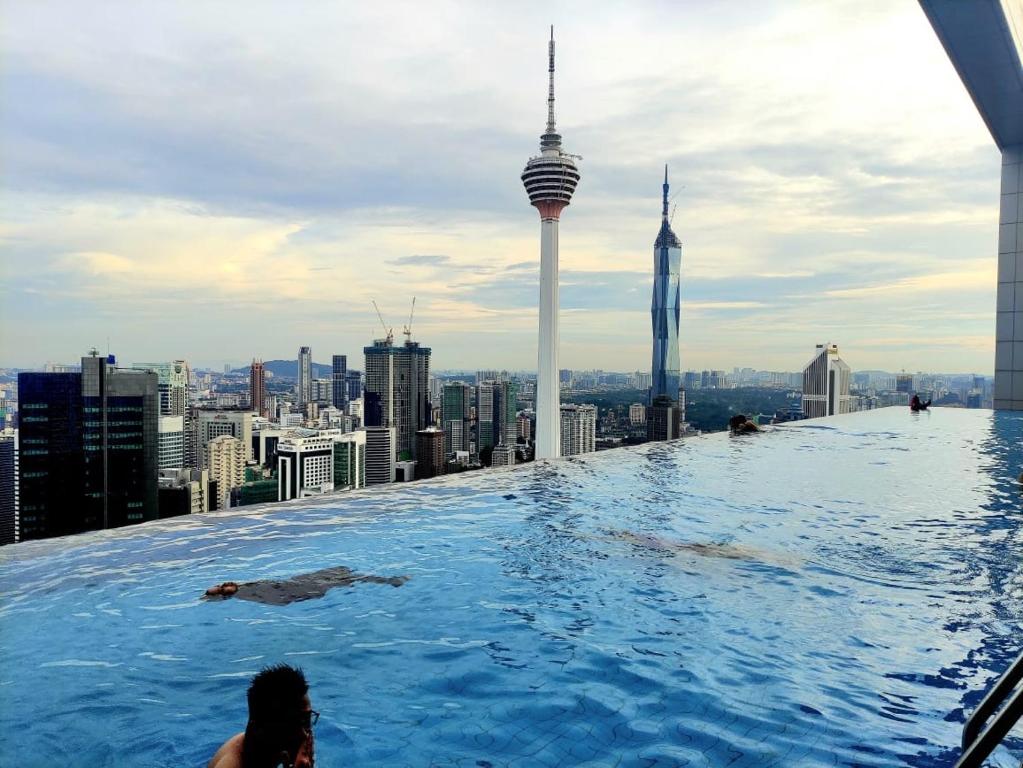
(834, 592)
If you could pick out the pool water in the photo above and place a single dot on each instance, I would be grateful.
(834, 592)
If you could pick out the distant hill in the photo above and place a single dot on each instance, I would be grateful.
(288, 369)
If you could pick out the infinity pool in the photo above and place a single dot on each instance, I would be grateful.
(834, 592)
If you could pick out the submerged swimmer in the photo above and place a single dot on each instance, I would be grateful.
(305, 586)
(721, 550)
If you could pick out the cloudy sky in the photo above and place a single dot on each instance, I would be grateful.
(222, 180)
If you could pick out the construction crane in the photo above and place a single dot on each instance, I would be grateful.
(388, 332)
(408, 328)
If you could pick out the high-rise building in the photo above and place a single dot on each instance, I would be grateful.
(578, 429)
(664, 419)
(170, 451)
(503, 456)
(429, 453)
(172, 385)
(550, 180)
(304, 377)
(8, 484)
(637, 414)
(825, 383)
(257, 389)
(455, 412)
(322, 391)
(691, 380)
(225, 457)
(350, 460)
(904, 383)
(89, 448)
(380, 463)
(211, 423)
(397, 391)
(183, 492)
(305, 466)
(666, 306)
(339, 381)
(485, 415)
(354, 379)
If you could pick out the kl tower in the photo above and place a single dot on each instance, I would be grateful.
(550, 180)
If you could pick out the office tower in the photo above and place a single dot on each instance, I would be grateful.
(89, 448)
(380, 455)
(8, 480)
(505, 395)
(339, 381)
(212, 423)
(691, 380)
(717, 379)
(172, 385)
(485, 415)
(225, 457)
(664, 419)
(565, 378)
(825, 383)
(183, 492)
(637, 414)
(305, 466)
(525, 428)
(904, 383)
(666, 306)
(578, 429)
(257, 389)
(397, 391)
(455, 412)
(170, 450)
(503, 456)
(550, 180)
(354, 382)
(322, 391)
(304, 377)
(429, 453)
(350, 460)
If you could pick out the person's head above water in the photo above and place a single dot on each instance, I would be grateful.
(280, 715)
(279, 729)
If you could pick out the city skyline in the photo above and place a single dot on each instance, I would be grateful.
(811, 205)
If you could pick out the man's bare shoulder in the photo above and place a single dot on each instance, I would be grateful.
(230, 754)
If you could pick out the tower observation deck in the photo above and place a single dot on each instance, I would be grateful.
(550, 180)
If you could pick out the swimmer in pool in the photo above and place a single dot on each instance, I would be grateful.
(305, 586)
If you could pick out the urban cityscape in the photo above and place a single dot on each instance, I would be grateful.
(569, 555)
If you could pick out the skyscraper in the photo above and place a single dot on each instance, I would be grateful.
(304, 385)
(550, 180)
(89, 448)
(339, 381)
(826, 383)
(398, 390)
(8, 482)
(456, 404)
(257, 388)
(225, 457)
(666, 306)
(172, 385)
(380, 455)
(578, 429)
(429, 453)
(664, 419)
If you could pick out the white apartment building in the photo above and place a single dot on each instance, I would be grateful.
(826, 380)
(578, 429)
(171, 442)
(225, 458)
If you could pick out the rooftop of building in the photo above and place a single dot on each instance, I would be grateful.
(837, 591)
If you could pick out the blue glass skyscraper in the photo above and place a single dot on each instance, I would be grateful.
(666, 307)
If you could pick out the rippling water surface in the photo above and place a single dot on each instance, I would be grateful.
(833, 593)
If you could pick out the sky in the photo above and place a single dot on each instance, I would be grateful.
(220, 181)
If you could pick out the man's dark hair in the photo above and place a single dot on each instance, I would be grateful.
(276, 693)
(275, 703)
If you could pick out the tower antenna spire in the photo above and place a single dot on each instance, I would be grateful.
(664, 204)
(550, 86)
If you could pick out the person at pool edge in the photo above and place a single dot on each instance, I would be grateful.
(280, 727)
(916, 405)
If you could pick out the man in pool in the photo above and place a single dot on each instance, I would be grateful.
(280, 727)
